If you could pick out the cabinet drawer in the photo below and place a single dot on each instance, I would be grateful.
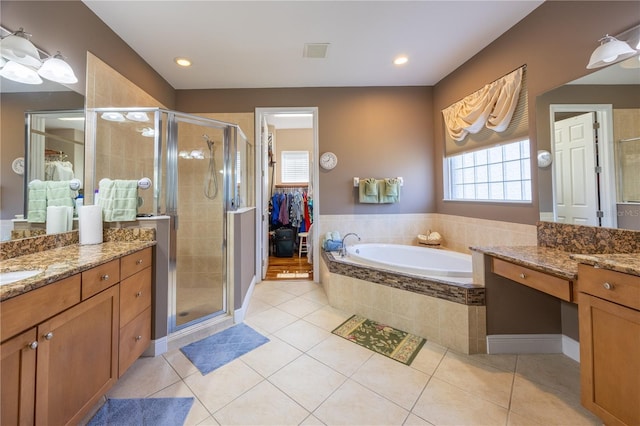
(555, 286)
(135, 262)
(623, 289)
(100, 278)
(27, 310)
(134, 340)
(135, 295)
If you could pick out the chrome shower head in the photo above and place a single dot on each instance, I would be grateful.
(209, 141)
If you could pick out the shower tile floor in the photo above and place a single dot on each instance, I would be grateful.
(305, 375)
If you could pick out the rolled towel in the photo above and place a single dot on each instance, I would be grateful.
(37, 203)
(335, 236)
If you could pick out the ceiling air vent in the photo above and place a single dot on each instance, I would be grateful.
(315, 50)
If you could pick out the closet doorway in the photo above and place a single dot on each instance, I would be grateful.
(288, 176)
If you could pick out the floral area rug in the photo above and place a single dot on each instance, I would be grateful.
(383, 339)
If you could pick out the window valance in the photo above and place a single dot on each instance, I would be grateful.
(494, 114)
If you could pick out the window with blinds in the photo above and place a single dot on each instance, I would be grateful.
(294, 166)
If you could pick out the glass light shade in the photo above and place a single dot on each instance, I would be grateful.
(148, 132)
(56, 69)
(16, 47)
(18, 72)
(112, 116)
(609, 51)
(2, 61)
(137, 116)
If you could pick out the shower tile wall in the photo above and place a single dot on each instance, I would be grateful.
(199, 270)
(121, 152)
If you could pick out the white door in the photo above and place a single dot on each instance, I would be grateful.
(266, 159)
(576, 180)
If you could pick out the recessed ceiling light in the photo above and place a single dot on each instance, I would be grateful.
(401, 60)
(183, 62)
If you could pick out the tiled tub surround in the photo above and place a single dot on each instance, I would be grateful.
(447, 313)
(64, 260)
(459, 233)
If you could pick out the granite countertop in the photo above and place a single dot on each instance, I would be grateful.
(552, 261)
(59, 263)
(626, 263)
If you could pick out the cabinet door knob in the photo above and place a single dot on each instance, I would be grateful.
(104, 277)
(139, 262)
(138, 294)
(607, 286)
(523, 275)
(33, 345)
(138, 338)
(48, 336)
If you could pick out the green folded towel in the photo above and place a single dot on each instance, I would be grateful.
(391, 192)
(371, 187)
(37, 202)
(118, 199)
(391, 187)
(59, 193)
(362, 193)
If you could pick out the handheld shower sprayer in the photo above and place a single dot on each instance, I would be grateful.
(211, 178)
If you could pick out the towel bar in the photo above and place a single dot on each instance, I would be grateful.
(356, 181)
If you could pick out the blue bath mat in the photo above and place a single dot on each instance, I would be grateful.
(143, 411)
(221, 348)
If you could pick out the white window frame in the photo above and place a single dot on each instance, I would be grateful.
(300, 161)
(468, 175)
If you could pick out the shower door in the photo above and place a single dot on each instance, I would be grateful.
(195, 199)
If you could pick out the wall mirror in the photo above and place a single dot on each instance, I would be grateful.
(54, 146)
(591, 127)
(49, 99)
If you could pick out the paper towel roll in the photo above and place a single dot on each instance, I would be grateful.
(57, 219)
(90, 224)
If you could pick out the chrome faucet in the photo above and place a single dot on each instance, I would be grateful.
(343, 249)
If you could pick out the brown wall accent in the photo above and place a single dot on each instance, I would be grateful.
(72, 28)
(374, 131)
(555, 41)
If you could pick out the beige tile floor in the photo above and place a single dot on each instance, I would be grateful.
(305, 375)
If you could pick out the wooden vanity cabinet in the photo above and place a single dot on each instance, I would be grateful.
(609, 316)
(135, 307)
(77, 359)
(64, 345)
(18, 379)
(555, 286)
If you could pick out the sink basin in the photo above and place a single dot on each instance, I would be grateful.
(13, 276)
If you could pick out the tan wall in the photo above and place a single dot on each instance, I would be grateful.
(291, 140)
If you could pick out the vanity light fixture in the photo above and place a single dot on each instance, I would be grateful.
(610, 50)
(22, 74)
(148, 132)
(56, 69)
(16, 48)
(183, 62)
(401, 60)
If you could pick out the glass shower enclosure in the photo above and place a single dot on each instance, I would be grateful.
(201, 169)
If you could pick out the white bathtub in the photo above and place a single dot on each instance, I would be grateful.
(423, 261)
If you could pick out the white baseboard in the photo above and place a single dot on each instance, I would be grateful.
(238, 314)
(571, 348)
(533, 344)
(157, 347)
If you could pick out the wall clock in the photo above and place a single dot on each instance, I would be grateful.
(544, 158)
(328, 160)
(18, 165)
